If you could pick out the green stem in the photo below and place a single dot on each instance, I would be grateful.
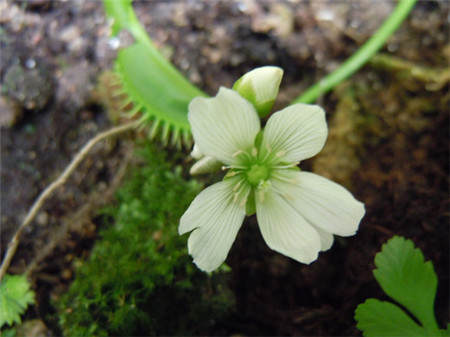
(358, 59)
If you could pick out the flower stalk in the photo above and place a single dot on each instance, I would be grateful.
(361, 57)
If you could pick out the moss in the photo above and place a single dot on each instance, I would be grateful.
(139, 279)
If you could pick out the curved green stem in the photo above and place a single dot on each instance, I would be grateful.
(358, 59)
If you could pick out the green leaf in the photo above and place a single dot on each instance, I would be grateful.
(405, 277)
(379, 318)
(15, 296)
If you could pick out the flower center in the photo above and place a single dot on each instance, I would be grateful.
(256, 174)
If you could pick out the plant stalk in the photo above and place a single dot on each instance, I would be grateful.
(12, 246)
(358, 59)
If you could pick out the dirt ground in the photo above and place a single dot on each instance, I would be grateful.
(388, 143)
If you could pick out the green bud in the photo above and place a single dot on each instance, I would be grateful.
(260, 87)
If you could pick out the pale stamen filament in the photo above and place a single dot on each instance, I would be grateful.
(261, 195)
(237, 190)
(280, 153)
(269, 149)
(233, 167)
(292, 181)
(240, 152)
(286, 166)
(233, 173)
(237, 153)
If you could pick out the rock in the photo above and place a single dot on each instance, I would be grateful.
(33, 328)
(10, 112)
(75, 85)
(30, 87)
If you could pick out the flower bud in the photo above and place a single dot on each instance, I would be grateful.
(260, 87)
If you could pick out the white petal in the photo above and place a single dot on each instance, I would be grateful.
(286, 231)
(205, 165)
(297, 132)
(326, 239)
(323, 203)
(215, 219)
(196, 153)
(224, 124)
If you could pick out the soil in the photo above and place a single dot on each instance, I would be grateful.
(388, 142)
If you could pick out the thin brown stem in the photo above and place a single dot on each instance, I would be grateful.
(12, 246)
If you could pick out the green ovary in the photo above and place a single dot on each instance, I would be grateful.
(257, 173)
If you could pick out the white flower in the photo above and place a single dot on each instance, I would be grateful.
(259, 87)
(297, 212)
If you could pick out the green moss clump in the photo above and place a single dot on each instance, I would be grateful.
(139, 279)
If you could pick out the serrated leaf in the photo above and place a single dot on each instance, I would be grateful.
(379, 318)
(405, 277)
(15, 296)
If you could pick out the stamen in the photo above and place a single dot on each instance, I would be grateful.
(269, 149)
(292, 181)
(254, 152)
(237, 185)
(241, 152)
(286, 166)
(233, 167)
(237, 189)
(261, 195)
(280, 153)
(243, 202)
(237, 153)
(288, 196)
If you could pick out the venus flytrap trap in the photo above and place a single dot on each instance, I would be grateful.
(410, 281)
(148, 84)
(297, 212)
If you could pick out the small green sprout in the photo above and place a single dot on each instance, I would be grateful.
(407, 279)
(15, 296)
(298, 212)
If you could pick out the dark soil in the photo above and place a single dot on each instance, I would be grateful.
(388, 143)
